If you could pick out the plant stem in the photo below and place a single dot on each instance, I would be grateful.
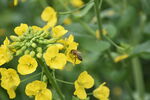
(62, 81)
(51, 79)
(97, 10)
(138, 76)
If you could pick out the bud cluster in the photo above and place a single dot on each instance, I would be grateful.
(31, 42)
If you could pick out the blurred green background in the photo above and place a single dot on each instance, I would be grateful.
(127, 24)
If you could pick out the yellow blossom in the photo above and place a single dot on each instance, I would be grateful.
(97, 34)
(80, 91)
(15, 2)
(77, 3)
(67, 21)
(20, 30)
(36, 28)
(9, 81)
(27, 65)
(5, 53)
(102, 92)
(84, 81)
(53, 58)
(120, 58)
(39, 90)
(58, 31)
(49, 15)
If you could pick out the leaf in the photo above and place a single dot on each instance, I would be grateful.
(85, 10)
(142, 48)
(111, 29)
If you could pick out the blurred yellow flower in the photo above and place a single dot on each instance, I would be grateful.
(84, 81)
(102, 92)
(5, 53)
(9, 81)
(79, 91)
(53, 58)
(39, 90)
(120, 58)
(49, 15)
(27, 65)
(58, 31)
(15, 2)
(97, 34)
(77, 3)
(20, 30)
(67, 21)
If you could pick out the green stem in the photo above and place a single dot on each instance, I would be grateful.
(97, 10)
(85, 25)
(138, 76)
(62, 81)
(51, 79)
(90, 93)
(31, 77)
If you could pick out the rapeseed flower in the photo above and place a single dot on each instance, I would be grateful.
(77, 3)
(84, 81)
(121, 57)
(102, 92)
(53, 58)
(5, 52)
(49, 15)
(20, 30)
(39, 90)
(9, 81)
(27, 65)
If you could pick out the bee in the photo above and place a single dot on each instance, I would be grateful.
(76, 54)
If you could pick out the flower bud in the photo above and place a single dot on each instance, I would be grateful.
(19, 52)
(39, 55)
(14, 38)
(27, 52)
(32, 53)
(33, 45)
(39, 49)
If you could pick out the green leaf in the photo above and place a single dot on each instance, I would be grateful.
(142, 48)
(111, 29)
(85, 10)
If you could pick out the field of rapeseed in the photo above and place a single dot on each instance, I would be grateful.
(74, 50)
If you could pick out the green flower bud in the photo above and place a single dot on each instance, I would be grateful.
(33, 45)
(27, 52)
(44, 78)
(23, 48)
(14, 38)
(39, 55)
(39, 49)
(19, 52)
(32, 53)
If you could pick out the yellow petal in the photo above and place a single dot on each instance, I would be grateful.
(102, 92)
(120, 58)
(35, 87)
(45, 94)
(77, 3)
(6, 41)
(20, 30)
(58, 31)
(27, 65)
(85, 80)
(11, 93)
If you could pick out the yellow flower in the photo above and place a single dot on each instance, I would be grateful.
(67, 21)
(53, 58)
(20, 30)
(84, 81)
(27, 65)
(80, 91)
(58, 31)
(15, 2)
(36, 28)
(102, 92)
(5, 53)
(98, 34)
(9, 81)
(77, 3)
(120, 58)
(49, 15)
(39, 90)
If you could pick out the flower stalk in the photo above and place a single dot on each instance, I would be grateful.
(97, 10)
(51, 79)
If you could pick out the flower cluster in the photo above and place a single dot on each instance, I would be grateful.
(86, 81)
(33, 43)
